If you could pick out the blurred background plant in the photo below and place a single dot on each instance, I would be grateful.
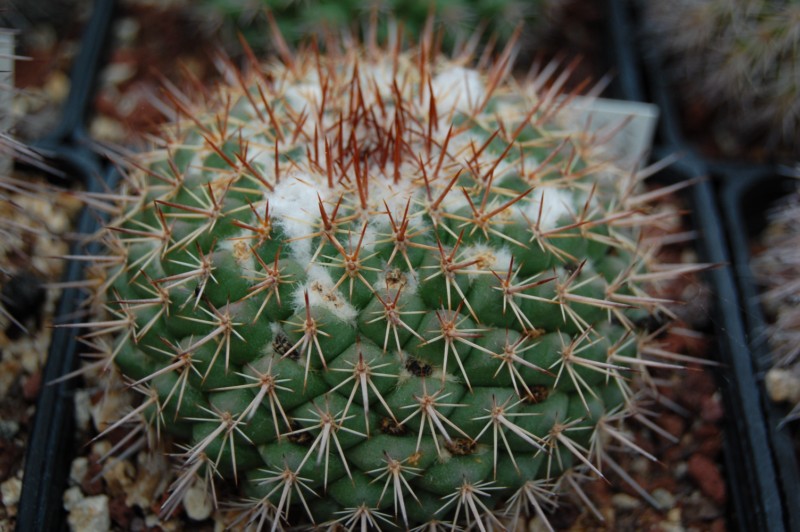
(300, 19)
(777, 269)
(735, 65)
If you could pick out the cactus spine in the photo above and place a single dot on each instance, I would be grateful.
(379, 289)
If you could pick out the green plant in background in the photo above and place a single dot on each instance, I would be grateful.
(739, 57)
(380, 288)
(298, 20)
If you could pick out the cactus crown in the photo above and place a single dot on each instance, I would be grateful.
(379, 288)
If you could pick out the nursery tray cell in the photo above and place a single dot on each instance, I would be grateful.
(760, 498)
(51, 446)
(747, 194)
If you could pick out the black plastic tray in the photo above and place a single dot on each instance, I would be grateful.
(51, 444)
(747, 195)
(757, 499)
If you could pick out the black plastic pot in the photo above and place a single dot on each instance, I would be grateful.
(51, 444)
(761, 496)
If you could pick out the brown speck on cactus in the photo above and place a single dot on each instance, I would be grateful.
(376, 288)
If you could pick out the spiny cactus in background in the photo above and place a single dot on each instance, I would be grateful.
(34, 217)
(299, 20)
(380, 288)
(777, 269)
(740, 57)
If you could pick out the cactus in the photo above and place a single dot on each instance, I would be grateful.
(380, 288)
(738, 57)
(776, 269)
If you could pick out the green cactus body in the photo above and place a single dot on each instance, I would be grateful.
(378, 288)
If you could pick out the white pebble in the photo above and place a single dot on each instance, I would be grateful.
(537, 525)
(623, 501)
(83, 407)
(671, 526)
(197, 503)
(666, 500)
(90, 514)
(72, 496)
(783, 385)
(78, 469)
(8, 429)
(10, 490)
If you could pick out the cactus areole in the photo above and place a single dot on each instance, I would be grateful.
(378, 289)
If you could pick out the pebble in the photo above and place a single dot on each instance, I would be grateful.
(680, 470)
(152, 522)
(119, 476)
(117, 73)
(107, 411)
(90, 514)
(671, 526)
(83, 405)
(57, 86)
(666, 500)
(107, 129)
(101, 447)
(34, 354)
(10, 491)
(78, 470)
(707, 476)
(698, 507)
(152, 480)
(126, 31)
(640, 465)
(8, 429)
(537, 525)
(711, 409)
(197, 502)
(71, 497)
(783, 385)
(623, 501)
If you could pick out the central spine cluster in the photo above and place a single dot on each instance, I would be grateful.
(375, 287)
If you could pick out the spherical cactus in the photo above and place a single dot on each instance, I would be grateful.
(380, 288)
(739, 58)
